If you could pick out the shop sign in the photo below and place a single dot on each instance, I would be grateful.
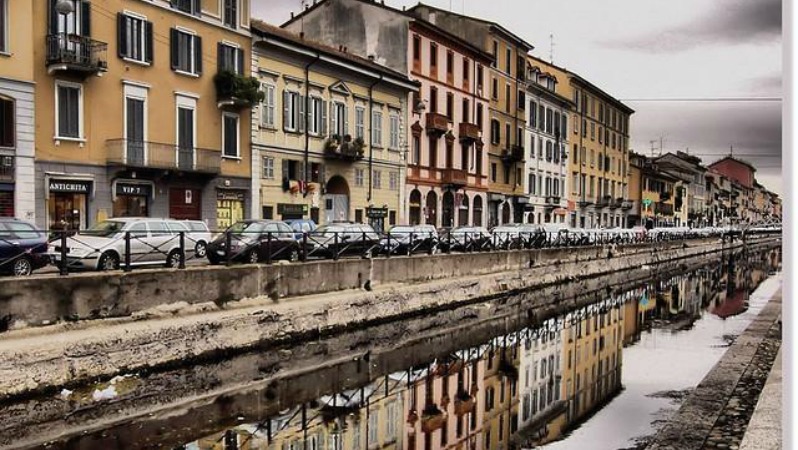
(292, 209)
(230, 195)
(73, 186)
(377, 213)
(141, 190)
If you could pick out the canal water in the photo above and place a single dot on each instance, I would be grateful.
(599, 377)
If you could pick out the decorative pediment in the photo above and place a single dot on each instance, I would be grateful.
(340, 87)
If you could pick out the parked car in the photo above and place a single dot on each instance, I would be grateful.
(515, 236)
(102, 247)
(197, 236)
(466, 238)
(252, 241)
(343, 238)
(23, 248)
(301, 226)
(409, 239)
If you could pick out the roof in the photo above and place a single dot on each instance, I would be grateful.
(260, 28)
(404, 13)
(737, 160)
(507, 33)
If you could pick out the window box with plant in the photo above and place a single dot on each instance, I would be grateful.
(344, 148)
(239, 91)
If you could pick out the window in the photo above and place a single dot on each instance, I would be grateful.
(479, 116)
(374, 428)
(433, 58)
(393, 181)
(393, 141)
(508, 61)
(186, 52)
(494, 92)
(549, 121)
(293, 111)
(506, 174)
(450, 106)
(187, 6)
(466, 72)
(230, 135)
(230, 59)
(268, 167)
(600, 135)
(564, 125)
(493, 172)
(531, 184)
(186, 130)
(433, 99)
(508, 141)
(7, 121)
(267, 107)
(495, 137)
(360, 117)
(231, 13)
(521, 100)
(69, 116)
(3, 26)
(507, 98)
(134, 38)
(592, 131)
(416, 48)
(359, 177)
(495, 62)
(480, 77)
(377, 179)
(541, 117)
(450, 66)
(533, 114)
(339, 123)
(376, 128)
(466, 111)
(317, 124)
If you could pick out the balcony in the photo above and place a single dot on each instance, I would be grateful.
(617, 203)
(155, 155)
(349, 150)
(584, 202)
(75, 54)
(603, 202)
(437, 124)
(512, 155)
(553, 201)
(455, 178)
(627, 205)
(665, 209)
(6, 168)
(236, 91)
(469, 132)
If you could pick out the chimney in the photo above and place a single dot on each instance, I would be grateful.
(292, 15)
(371, 58)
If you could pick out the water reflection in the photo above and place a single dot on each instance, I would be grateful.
(517, 390)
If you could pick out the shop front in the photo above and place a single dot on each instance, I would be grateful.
(377, 217)
(229, 208)
(132, 198)
(68, 202)
(185, 203)
(292, 211)
(6, 200)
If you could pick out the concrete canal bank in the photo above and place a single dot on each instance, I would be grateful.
(154, 319)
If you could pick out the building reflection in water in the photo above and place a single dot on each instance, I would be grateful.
(520, 390)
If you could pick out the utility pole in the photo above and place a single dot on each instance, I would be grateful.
(652, 148)
(551, 48)
(660, 146)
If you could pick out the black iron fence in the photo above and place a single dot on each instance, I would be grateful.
(71, 251)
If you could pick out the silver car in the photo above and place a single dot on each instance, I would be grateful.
(103, 246)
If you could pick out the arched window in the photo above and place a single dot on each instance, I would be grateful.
(477, 211)
(463, 221)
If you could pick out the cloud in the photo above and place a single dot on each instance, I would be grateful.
(729, 22)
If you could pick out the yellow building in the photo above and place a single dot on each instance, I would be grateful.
(16, 110)
(329, 138)
(142, 109)
(501, 400)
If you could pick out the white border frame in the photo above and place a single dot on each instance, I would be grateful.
(237, 117)
(81, 115)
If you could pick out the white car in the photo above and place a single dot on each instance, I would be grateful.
(197, 236)
(103, 247)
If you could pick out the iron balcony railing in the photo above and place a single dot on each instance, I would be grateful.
(6, 168)
(156, 155)
(76, 53)
(553, 200)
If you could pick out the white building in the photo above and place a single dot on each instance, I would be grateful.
(540, 375)
(547, 141)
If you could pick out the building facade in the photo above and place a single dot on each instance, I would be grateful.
(547, 141)
(447, 165)
(508, 201)
(329, 137)
(136, 115)
(17, 106)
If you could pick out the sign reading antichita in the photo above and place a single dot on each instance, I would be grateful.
(74, 186)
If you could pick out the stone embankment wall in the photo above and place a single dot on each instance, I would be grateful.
(207, 320)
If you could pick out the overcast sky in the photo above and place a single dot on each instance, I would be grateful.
(645, 51)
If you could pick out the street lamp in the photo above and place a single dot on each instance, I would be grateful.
(64, 7)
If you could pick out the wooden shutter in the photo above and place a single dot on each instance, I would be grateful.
(286, 110)
(173, 48)
(322, 177)
(148, 50)
(301, 171)
(284, 163)
(240, 61)
(346, 120)
(197, 54)
(220, 54)
(299, 113)
(334, 120)
(85, 18)
(121, 34)
(323, 130)
(53, 17)
(196, 7)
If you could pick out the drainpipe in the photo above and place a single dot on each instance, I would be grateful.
(371, 144)
(306, 175)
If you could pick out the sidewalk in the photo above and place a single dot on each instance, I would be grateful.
(764, 429)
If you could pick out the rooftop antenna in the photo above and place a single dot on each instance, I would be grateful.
(551, 48)
(302, 6)
(731, 151)
(652, 147)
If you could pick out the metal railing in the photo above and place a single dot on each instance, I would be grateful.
(76, 52)
(70, 251)
(144, 154)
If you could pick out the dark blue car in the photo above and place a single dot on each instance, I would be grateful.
(23, 248)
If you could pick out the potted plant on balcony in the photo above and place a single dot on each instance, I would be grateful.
(463, 403)
(237, 90)
(333, 144)
(359, 146)
(432, 418)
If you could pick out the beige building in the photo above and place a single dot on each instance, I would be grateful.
(329, 137)
(142, 110)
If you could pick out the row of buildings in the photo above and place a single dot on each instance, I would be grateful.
(352, 110)
(520, 390)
